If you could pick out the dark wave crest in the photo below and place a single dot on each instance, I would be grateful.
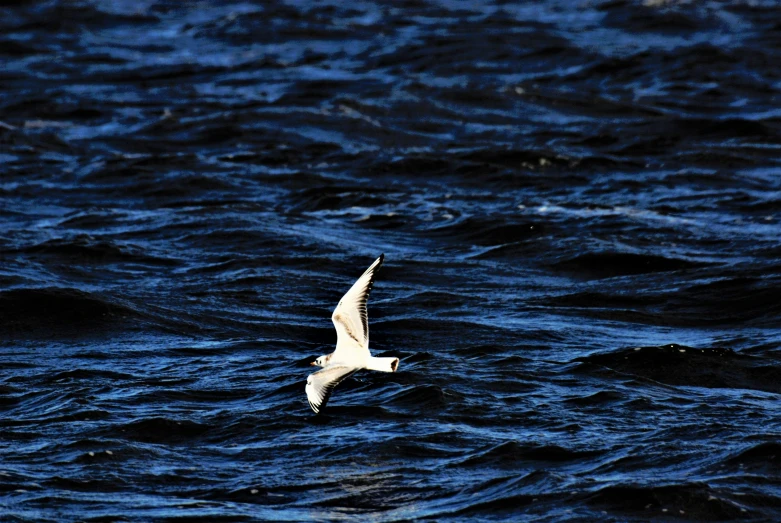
(680, 365)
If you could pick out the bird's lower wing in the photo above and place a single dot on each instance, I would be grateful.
(320, 385)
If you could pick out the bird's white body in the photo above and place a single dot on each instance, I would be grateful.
(352, 343)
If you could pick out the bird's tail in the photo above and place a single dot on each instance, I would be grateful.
(383, 364)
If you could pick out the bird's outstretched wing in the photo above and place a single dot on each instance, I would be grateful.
(321, 384)
(350, 317)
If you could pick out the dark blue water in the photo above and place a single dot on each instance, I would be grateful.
(579, 204)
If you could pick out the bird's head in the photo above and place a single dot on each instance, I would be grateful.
(320, 362)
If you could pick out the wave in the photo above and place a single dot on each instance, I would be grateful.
(91, 375)
(510, 453)
(487, 231)
(612, 264)
(340, 197)
(418, 397)
(159, 430)
(505, 495)
(761, 458)
(696, 501)
(687, 366)
(86, 249)
(598, 398)
(744, 300)
(55, 311)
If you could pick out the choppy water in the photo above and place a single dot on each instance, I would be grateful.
(187, 189)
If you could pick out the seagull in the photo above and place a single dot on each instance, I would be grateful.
(352, 343)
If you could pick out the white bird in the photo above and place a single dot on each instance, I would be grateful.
(352, 343)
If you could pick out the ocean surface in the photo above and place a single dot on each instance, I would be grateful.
(579, 205)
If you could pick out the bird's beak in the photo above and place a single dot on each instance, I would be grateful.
(313, 364)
